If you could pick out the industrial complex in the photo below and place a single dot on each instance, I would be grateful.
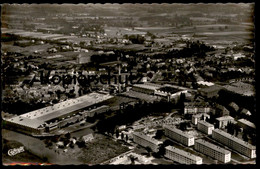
(58, 115)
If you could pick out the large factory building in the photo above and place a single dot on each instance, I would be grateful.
(59, 115)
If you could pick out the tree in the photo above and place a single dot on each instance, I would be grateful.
(183, 126)
(149, 150)
(136, 39)
(132, 158)
(167, 143)
(122, 136)
(117, 133)
(126, 137)
(244, 136)
(194, 85)
(71, 145)
(236, 131)
(161, 151)
(68, 135)
(158, 134)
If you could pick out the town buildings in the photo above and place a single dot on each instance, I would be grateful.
(212, 150)
(181, 156)
(234, 143)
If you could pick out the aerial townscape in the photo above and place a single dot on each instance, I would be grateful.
(128, 84)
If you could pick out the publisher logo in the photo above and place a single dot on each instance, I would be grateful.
(14, 151)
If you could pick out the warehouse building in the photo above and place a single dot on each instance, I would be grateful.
(205, 127)
(213, 151)
(59, 115)
(146, 141)
(181, 156)
(234, 143)
(179, 135)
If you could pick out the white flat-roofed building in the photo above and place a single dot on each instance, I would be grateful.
(146, 141)
(212, 150)
(179, 135)
(181, 156)
(205, 127)
(55, 116)
(196, 117)
(234, 143)
(223, 121)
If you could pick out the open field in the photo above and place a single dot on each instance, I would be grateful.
(25, 50)
(115, 31)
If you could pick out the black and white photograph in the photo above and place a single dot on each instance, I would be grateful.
(128, 84)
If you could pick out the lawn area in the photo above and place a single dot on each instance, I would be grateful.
(102, 148)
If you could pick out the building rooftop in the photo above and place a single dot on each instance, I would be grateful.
(248, 123)
(184, 153)
(205, 83)
(239, 141)
(38, 117)
(224, 118)
(169, 89)
(245, 111)
(148, 138)
(174, 129)
(26, 122)
(149, 86)
(234, 106)
(196, 104)
(213, 146)
(205, 123)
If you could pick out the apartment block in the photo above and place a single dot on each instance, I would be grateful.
(179, 135)
(146, 141)
(234, 143)
(212, 150)
(181, 156)
(205, 127)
